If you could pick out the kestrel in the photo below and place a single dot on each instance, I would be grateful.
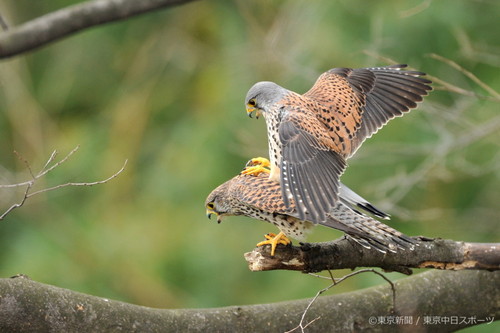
(312, 135)
(259, 197)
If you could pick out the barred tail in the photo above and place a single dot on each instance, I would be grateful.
(367, 231)
(354, 201)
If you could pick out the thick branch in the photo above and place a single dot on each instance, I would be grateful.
(343, 253)
(64, 22)
(469, 296)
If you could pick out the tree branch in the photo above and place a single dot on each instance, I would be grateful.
(302, 325)
(494, 96)
(343, 253)
(470, 297)
(471, 76)
(46, 169)
(64, 22)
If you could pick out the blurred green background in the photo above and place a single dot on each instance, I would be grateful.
(165, 90)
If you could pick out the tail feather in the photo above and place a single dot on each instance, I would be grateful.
(367, 231)
(354, 201)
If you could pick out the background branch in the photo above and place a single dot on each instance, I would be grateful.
(343, 253)
(302, 325)
(470, 296)
(45, 170)
(3, 24)
(64, 22)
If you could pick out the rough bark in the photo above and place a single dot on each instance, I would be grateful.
(343, 253)
(467, 297)
(66, 21)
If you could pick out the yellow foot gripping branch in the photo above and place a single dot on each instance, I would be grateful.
(273, 240)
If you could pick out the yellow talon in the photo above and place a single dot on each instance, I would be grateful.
(254, 170)
(273, 240)
(256, 166)
(264, 162)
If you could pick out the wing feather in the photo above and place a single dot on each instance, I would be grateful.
(310, 168)
(382, 93)
(328, 124)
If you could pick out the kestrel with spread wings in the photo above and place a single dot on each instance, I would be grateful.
(259, 197)
(312, 135)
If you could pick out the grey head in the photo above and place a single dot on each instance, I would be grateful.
(262, 96)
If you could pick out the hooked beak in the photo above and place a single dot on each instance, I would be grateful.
(251, 110)
(209, 215)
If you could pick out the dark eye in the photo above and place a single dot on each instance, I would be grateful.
(210, 205)
(252, 102)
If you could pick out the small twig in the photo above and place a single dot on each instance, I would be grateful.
(393, 287)
(29, 184)
(53, 156)
(80, 184)
(471, 76)
(334, 283)
(17, 205)
(26, 163)
(453, 88)
(44, 170)
(381, 58)
(3, 24)
(415, 10)
(445, 85)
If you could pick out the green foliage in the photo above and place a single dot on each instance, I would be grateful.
(166, 90)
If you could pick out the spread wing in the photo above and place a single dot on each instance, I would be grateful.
(310, 166)
(356, 103)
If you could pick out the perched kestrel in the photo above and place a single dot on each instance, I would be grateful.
(311, 135)
(258, 196)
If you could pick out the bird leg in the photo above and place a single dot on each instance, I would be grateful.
(256, 166)
(273, 240)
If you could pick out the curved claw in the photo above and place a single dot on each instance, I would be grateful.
(273, 240)
(254, 170)
(258, 161)
(256, 166)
